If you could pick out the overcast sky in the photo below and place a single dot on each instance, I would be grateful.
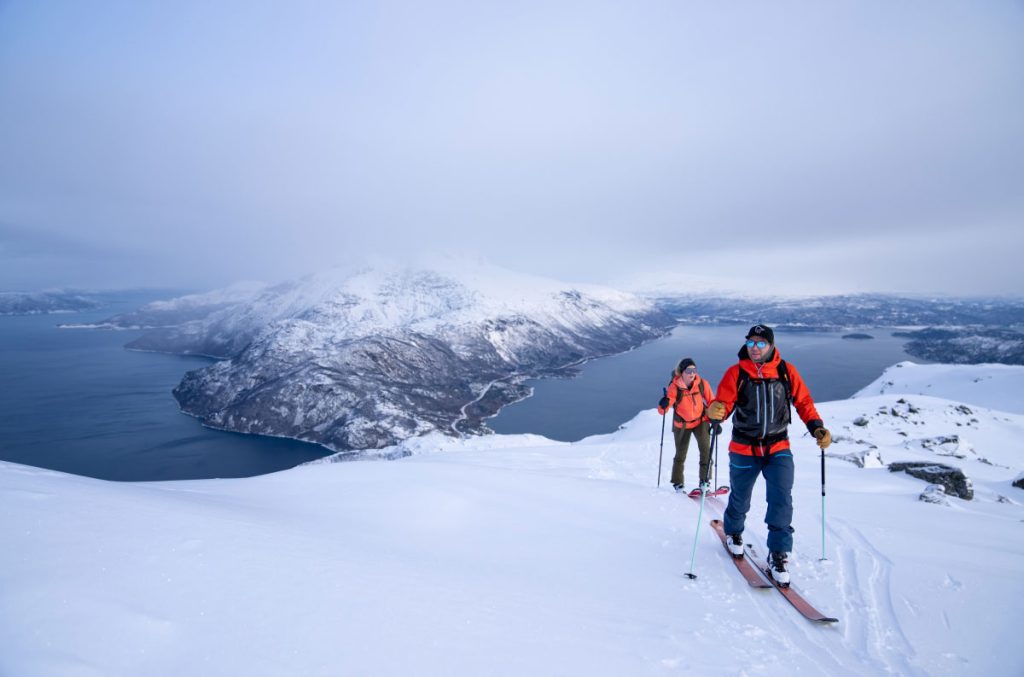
(862, 145)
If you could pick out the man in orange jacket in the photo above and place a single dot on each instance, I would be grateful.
(758, 391)
(688, 395)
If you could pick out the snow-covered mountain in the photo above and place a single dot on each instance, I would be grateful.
(42, 302)
(516, 555)
(365, 359)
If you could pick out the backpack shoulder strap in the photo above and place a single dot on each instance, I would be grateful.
(741, 380)
(784, 377)
(704, 387)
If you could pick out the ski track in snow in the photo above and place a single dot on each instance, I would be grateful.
(868, 633)
(874, 629)
(781, 614)
(767, 608)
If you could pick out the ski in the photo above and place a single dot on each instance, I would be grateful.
(746, 568)
(795, 598)
(720, 491)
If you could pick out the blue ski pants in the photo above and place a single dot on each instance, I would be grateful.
(777, 469)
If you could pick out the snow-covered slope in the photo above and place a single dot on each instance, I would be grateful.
(515, 555)
(363, 360)
(996, 386)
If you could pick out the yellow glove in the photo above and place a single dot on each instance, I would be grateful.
(824, 437)
(716, 411)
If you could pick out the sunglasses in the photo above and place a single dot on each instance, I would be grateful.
(690, 370)
(760, 344)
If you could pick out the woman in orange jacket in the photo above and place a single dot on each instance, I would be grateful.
(688, 395)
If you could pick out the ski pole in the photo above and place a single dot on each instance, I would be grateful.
(716, 430)
(661, 446)
(823, 503)
(700, 518)
(714, 448)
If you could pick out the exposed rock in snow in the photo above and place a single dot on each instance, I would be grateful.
(952, 479)
(948, 445)
(866, 458)
(934, 493)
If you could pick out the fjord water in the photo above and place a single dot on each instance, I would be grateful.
(75, 400)
(611, 390)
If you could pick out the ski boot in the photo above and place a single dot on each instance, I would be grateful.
(777, 568)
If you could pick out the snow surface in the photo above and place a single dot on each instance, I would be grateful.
(996, 386)
(517, 555)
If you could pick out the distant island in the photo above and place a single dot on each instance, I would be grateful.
(858, 337)
(966, 345)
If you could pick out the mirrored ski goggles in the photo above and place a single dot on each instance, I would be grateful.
(690, 370)
(760, 344)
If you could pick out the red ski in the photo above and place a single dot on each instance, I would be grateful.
(746, 568)
(720, 491)
(794, 597)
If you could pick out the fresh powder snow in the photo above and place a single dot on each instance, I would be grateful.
(517, 555)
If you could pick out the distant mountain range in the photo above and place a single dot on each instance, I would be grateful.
(829, 313)
(967, 331)
(42, 302)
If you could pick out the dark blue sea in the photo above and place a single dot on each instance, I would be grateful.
(75, 400)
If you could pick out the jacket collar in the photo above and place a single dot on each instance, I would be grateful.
(693, 386)
(768, 369)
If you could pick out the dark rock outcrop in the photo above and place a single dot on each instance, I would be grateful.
(953, 480)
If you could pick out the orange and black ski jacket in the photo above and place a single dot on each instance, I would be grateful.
(689, 403)
(760, 403)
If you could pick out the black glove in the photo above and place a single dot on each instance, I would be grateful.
(663, 403)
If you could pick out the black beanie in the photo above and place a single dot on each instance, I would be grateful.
(684, 363)
(762, 331)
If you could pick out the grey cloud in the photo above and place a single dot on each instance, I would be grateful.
(584, 140)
